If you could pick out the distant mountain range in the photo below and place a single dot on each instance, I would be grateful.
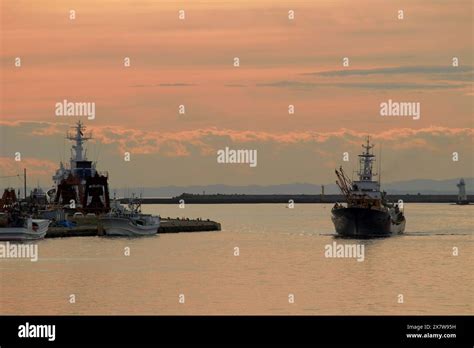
(423, 186)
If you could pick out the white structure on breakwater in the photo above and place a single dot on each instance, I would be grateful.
(462, 197)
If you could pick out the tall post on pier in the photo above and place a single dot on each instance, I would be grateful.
(24, 180)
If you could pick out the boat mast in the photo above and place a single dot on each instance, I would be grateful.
(24, 180)
(380, 164)
(77, 151)
(365, 162)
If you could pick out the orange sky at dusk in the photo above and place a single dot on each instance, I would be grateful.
(282, 62)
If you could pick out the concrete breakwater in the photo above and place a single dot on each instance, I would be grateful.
(89, 228)
(191, 225)
(298, 198)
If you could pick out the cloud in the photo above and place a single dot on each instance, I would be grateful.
(234, 85)
(204, 141)
(362, 85)
(397, 70)
(291, 84)
(35, 166)
(176, 84)
(37, 128)
(305, 155)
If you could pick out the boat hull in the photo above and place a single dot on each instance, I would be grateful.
(124, 227)
(25, 233)
(365, 223)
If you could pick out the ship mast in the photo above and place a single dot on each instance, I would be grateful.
(366, 162)
(77, 151)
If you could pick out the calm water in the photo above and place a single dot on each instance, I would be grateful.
(281, 253)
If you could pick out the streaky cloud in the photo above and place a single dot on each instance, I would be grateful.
(362, 85)
(174, 84)
(396, 70)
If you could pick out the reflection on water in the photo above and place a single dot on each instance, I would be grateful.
(281, 254)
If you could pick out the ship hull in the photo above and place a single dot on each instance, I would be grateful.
(365, 223)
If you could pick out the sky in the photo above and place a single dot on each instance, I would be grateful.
(283, 62)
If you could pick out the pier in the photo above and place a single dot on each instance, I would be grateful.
(296, 198)
(191, 225)
(166, 226)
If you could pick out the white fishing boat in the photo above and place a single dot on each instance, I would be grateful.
(22, 228)
(129, 222)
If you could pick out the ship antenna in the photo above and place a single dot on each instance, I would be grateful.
(380, 164)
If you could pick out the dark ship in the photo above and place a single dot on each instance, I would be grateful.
(367, 213)
(79, 187)
(8, 199)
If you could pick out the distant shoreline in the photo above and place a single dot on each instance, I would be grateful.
(285, 199)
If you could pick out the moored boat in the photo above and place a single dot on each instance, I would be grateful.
(127, 226)
(129, 222)
(79, 186)
(19, 228)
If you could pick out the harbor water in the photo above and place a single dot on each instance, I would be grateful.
(268, 259)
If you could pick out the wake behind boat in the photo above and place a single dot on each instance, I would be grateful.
(129, 222)
(366, 213)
